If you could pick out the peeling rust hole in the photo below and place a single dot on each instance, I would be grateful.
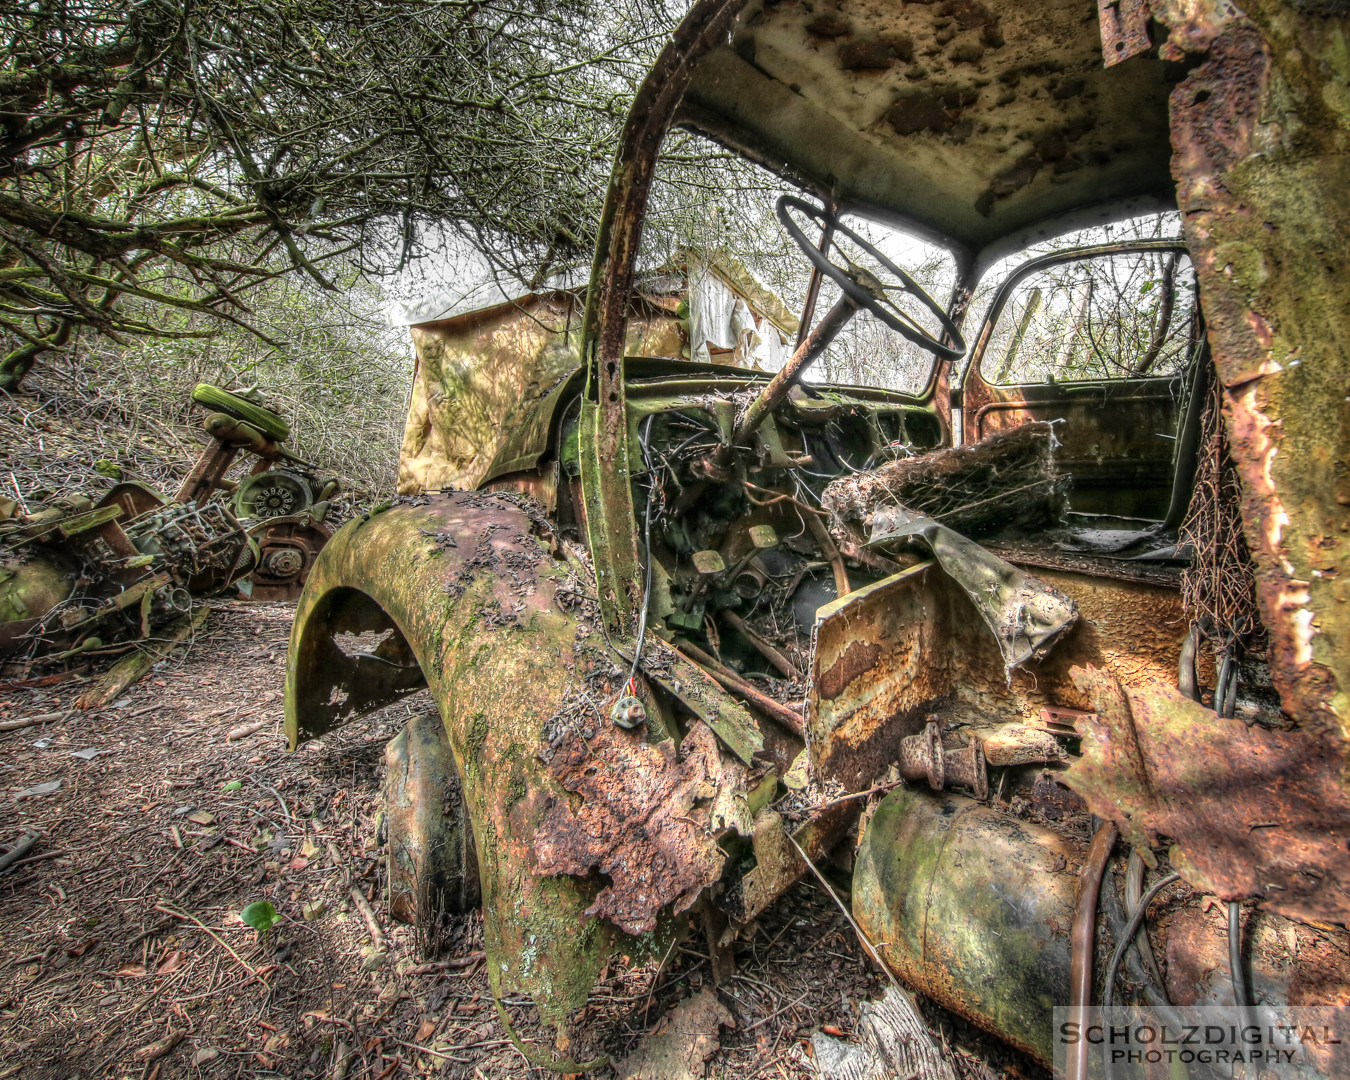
(644, 821)
(868, 56)
(966, 52)
(968, 13)
(919, 112)
(1051, 148)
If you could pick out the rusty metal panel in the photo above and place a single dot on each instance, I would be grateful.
(876, 674)
(475, 380)
(889, 655)
(1259, 118)
(1251, 812)
(610, 521)
(481, 378)
(468, 582)
(1124, 26)
(645, 819)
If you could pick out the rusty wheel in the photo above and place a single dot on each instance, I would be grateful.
(432, 862)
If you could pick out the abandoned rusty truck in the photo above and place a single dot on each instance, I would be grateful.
(1058, 611)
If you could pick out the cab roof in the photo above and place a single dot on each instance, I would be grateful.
(983, 125)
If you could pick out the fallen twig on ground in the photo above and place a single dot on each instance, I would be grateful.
(214, 936)
(21, 848)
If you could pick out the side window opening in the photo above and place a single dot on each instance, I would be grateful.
(1129, 315)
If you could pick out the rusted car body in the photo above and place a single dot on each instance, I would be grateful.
(680, 589)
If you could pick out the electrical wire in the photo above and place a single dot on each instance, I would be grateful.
(1235, 963)
(644, 436)
(1127, 937)
(1122, 944)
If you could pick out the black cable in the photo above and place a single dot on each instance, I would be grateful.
(1131, 928)
(643, 439)
(1235, 955)
(1225, 690)
(1123, 942)
(1244, 1005)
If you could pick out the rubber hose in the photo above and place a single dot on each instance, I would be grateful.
(1134, 888)
(1114, 917)
(1225, 692)
(1122, 943)
(1187, 682)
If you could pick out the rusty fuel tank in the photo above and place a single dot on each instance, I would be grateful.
(971, 907)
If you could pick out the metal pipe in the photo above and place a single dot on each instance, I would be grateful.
(813, 289)
(830, 551)
(773, 394)
(1132, 928)
(1084, 924)
(733, 682)
(774, 656)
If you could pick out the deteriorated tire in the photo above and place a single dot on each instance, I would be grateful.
(431, 859)
(265, 420)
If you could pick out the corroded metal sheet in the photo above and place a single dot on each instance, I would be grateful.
(1026, 615)
(466, 583)
(890, 654)
(1251, 812)
(645, 820)
(972, 907)
(1124, 26)
(1259, 118)
(974, 117)
(874, 679)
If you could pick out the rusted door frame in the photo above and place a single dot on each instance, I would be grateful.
(611, 523)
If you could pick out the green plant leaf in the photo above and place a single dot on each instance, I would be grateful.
(233, 785)
(260, 915)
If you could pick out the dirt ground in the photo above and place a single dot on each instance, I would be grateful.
(120, 930)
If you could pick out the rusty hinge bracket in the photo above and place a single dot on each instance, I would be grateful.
(1124, 26)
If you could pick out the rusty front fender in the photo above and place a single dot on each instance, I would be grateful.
(464, 587)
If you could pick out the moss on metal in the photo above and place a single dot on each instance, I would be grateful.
(1261, 137)
(972, 907)
(30, 589)
(499, 657)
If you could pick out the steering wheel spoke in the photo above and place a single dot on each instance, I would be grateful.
(867, 290)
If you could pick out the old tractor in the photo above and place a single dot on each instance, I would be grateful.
(84, 578)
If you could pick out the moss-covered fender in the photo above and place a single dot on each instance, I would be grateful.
(465, 590)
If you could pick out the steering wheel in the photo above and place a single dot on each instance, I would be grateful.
(864, 289)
